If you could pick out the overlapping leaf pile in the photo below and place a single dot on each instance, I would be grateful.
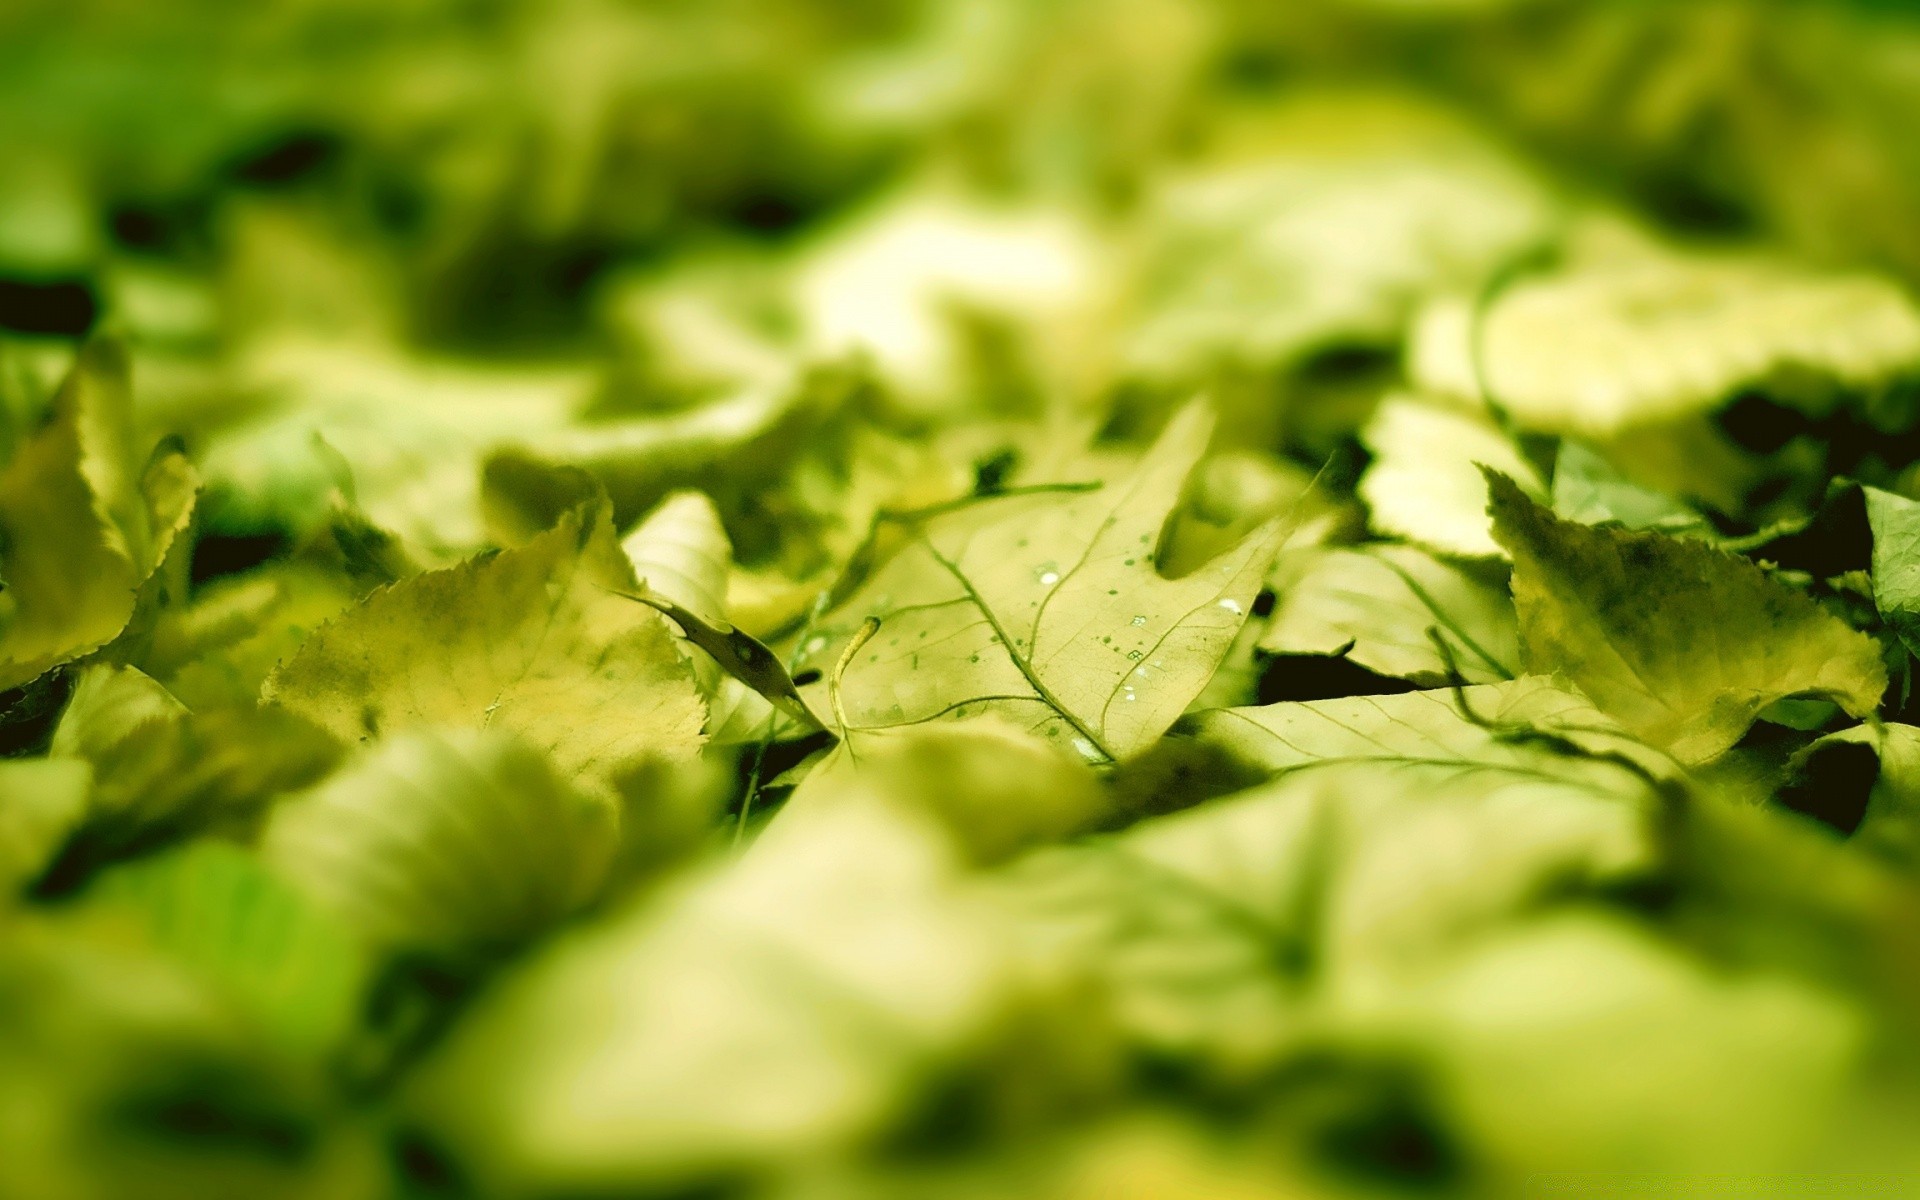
(1076, 617)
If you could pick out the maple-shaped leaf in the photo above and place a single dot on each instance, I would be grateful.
(1047, 608)
(536, 639)
(1682, 643)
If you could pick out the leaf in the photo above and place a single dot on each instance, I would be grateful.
(1513, 734)
(1865, 783)
(1375, 606)
(456, 846)
(745, 658)
(641, 460)
(1588, 489)
(1550, 1076)
(1683, 644)
(1047, 609)
(681, 551)
(774, 1004)
(160, 770)
(41, 802)
(894, 285)
(401, 436)
(530, 640)
(1328, 241)
(1424, 483)
(1651, 337)
(219, 911)
(1895, 521)
(1219, 931)
(996, 787)
(682, 558)
(80, 531)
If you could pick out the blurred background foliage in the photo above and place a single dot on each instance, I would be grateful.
(391, 269)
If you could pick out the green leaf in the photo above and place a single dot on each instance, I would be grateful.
(1526, 733)
(1047, 608)
(1895, 521)
(1328, 241)
(996, 787)
(1683, 644)
(1219, 932)
(1588, 489)
(680, 551)
(1865, 782)
(1376, 605)
(218, 910)
(641, 460)
(456, 846)
(775, 1004)
(160, 770)
(81, 530)
(533, 639)
(403, 437)
(1648, 337)
(1424, 483)
(1545, 1074)
(41, 802)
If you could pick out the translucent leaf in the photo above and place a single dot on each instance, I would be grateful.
(680, 554)
(1218, 932)
(403, 437)
(84, 530)
(893, 285)
(1683, 644)
(641, 460)
(453, 846)
(1507, 735)
(1046, 607)
(1331, 241)
(41, 802)
(781, 1003)
(1865, 783)
(1424, 483)
(681, 551)
(1549, 1074)
(1588, 489)
(218, 910)
(996, 787)
(530, 640)
(1648, 338)
(159, 769)
(1895, 522)
(1376, 605)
